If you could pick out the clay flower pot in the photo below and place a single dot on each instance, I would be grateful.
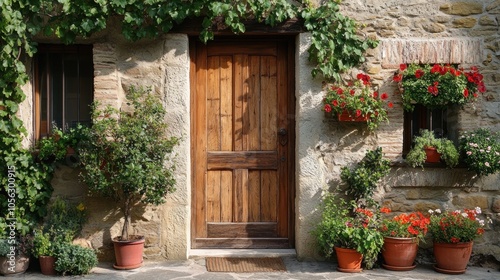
(47, 265)
(346, 117)
(349, 260)
(399, 253)
(432, 155)
(452, 258)
(128, 253)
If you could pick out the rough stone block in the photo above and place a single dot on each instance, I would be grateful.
(495, 205)
(462, 8)
(467, 22)
(471, 201)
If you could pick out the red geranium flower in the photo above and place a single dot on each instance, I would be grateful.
(384, 96)
(328, 108)
(419, 73)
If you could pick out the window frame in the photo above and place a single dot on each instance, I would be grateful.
(45, 50)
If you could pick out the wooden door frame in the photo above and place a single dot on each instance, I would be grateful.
(290, 43)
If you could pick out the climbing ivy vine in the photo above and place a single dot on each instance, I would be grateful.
(335, 47)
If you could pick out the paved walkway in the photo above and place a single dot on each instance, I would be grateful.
(195, 269)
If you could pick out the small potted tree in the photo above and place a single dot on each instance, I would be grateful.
(127, 156)
(429, 149)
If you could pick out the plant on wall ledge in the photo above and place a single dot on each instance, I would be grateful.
(445, 149)
(356, 99)
(480, 150)
(438, 85)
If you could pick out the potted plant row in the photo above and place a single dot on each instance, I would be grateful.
(356, 101)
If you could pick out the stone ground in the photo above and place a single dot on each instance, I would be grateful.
(195, 269)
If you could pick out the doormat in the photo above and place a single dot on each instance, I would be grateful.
(225, 264)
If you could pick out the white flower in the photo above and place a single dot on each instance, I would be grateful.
(497, 154)
(487, 164)
(456, 211)
(469, 153)
(478, 210)
(489, 148)
(482, 151)
(481, 223)
(431, 211)
(438, 211)
(464, 215)
(490, 221)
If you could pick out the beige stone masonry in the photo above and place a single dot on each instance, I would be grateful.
(423, 50)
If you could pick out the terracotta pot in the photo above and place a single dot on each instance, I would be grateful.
(452, 258)
(349, 260)
(128, 254)
(399, 253)
(432, 155)
(17, 265)
(346, 117)
(47, 265)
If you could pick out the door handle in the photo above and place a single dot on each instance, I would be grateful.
(283, 136)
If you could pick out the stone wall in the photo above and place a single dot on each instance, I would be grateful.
(420, 31)
(410, 31)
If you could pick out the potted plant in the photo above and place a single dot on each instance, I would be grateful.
(480, 151)
(356, 101)
(453, 233)
(44, 250)
(438, 85)
(428, 148)
(15, 254)
(126, 156)
(402, 234)
(350, 231)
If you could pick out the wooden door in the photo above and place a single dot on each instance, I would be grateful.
(242, 144)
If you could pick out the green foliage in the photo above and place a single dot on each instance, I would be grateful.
(74, 260)
(25, 183)
(480, 150)
(362, 179)
(341, 227)
(127, 155)
(335, 45)
(456, 226)
(42, 244)
(65, 218)
(416, 156)
(438, 85)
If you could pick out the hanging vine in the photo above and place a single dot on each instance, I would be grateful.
(335, 47)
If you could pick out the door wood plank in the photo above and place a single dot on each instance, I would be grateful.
(240, 206)
(239, 243)
(241, 230)
(200, 142)
(242, 159)
(213, 137)
(226, 120)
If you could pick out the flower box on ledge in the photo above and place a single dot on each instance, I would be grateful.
(345, 116)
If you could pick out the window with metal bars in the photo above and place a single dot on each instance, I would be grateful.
(435, 120)
(64, 87)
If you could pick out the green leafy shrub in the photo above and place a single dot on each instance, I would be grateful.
(416, 156)
(363, 179)
(73, 259)
(42, 244)
(480, 150)
(65, 217)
